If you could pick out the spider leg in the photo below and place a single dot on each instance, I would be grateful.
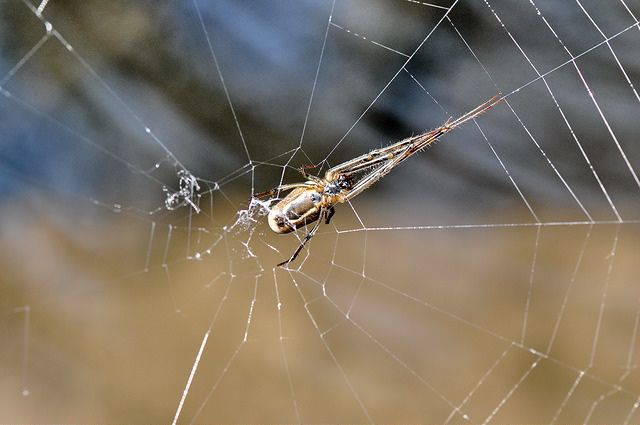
(385, 155)
(362, 162)
(332, 211)
(305, 240)
(297, 251)
(412, 144)
(402, 150)
(377, 174)
(303, 170)
(281, 188)
(475, 112)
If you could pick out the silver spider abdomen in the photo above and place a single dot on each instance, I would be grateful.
(298, 208)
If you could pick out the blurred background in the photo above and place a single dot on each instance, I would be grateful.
(495, 273)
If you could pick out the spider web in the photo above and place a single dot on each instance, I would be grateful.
(491, 278)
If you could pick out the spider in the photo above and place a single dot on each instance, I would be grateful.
(314, 199)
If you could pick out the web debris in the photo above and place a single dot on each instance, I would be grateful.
(186, 195)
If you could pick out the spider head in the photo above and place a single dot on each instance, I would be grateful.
(342, 182)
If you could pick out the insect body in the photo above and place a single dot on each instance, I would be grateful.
(314, 199)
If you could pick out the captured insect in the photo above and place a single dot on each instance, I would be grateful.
(314, 199)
